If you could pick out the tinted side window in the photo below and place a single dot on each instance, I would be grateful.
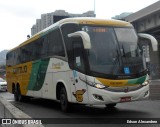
(78, 58)
(37, 48)
(9, 58)
(25, 53)
(44, 49)
(48, 45)
(67, 29)
(18, 57)
(55, 44)
(33, 51)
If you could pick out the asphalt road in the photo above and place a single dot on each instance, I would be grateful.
(49, 109)
(40, 108)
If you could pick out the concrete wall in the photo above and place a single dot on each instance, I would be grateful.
(155, 90)
(7, 110)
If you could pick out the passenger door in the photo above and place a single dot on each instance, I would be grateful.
(80, 93)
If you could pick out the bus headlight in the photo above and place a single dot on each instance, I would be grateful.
(97, 85)
(145, 83)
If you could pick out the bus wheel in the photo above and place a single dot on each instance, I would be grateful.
(15, 94)
(111, 105)
(64, 100)
(19, 94)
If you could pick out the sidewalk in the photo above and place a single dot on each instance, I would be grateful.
(155, 89)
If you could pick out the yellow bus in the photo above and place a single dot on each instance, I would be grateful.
(80, 60)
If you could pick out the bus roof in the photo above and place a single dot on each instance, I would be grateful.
(96, 21)
(79, 20)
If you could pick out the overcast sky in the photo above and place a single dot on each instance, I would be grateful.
(18, 16)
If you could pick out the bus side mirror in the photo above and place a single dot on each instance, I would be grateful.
(154, 42)
(85, 38)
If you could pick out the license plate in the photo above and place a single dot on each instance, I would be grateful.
(125, 99)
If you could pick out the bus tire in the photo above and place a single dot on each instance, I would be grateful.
(15, 94)
(18, 95)
(64, 100)
(110, 105)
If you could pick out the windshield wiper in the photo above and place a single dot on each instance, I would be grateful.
(116, 60)
(124, 55)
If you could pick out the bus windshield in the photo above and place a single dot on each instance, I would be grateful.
(114, 51)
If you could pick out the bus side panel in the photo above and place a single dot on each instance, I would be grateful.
(57, 72)
(45, 75)
(37, 77)
(19, 75)
(38, 73)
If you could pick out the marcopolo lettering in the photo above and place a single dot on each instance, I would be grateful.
(21, 69)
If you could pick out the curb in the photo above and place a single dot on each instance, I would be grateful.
(8, 111)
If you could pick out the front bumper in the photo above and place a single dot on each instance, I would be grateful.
(3, 87)
(102, 96)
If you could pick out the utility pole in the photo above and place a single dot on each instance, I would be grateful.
(94, 7)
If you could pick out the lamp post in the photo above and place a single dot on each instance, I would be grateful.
(94, 7)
